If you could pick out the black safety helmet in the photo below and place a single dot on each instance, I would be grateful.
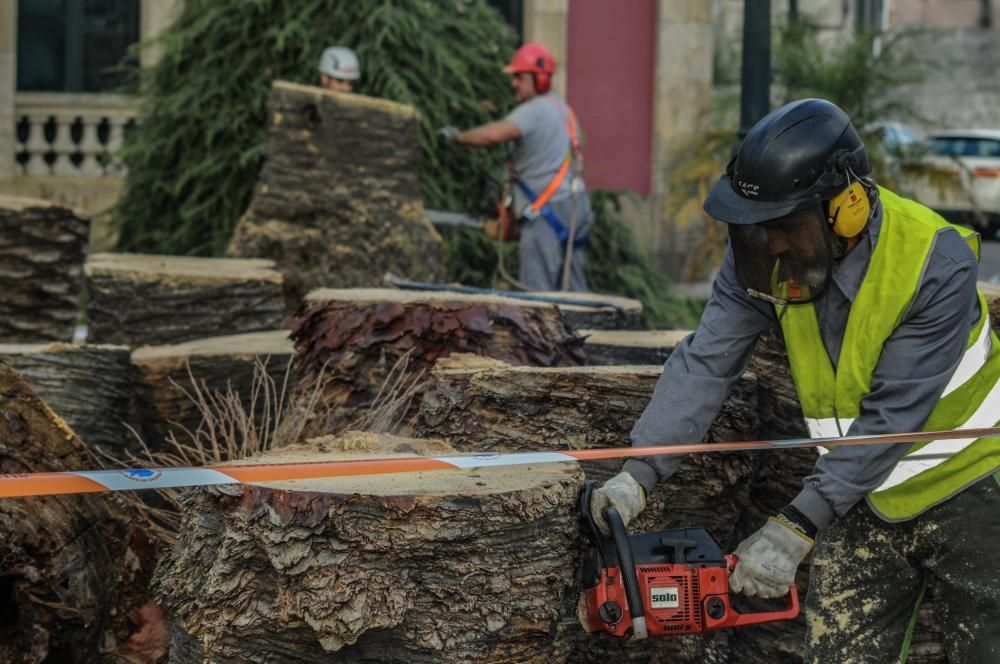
(793, 158)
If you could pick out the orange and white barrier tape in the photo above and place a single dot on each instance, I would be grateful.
(133, 479)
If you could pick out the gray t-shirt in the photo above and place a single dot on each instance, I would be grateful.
(542, 147)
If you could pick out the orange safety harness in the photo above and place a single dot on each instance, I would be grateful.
(538, 202)
(572, 155)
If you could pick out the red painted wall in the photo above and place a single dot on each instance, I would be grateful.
(611, 52)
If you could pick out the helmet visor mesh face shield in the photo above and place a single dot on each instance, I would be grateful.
(786, 260)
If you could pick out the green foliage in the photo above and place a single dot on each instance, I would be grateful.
(863, 74)
(615, 265)
(194, 158)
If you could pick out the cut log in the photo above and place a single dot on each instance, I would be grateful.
(621, 313)
(88, 386)
(42, 249)
(338, 200)
(992, 294)
(483, 405)
(610, 347)
(139, 300)
(444, 566)
(72, 567)
(351, 339)
(169, 379)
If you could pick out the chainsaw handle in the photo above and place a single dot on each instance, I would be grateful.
(790, 611)
(626, 567)
(734, 619)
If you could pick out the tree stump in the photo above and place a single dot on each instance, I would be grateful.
(446, 566)
(338, 200)
(483, 405)
(139, 300)
(610, 347)
(42, 249)
(88, 386)
(72, 567)
(169, 379)
(621, 313)
(351, 339)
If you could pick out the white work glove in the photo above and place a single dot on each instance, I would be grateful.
(621, 492)
(768, 559)
(449, 133)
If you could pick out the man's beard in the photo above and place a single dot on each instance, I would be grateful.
(810, 271)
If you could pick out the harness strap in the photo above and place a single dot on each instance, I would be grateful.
(538, 202)
(549, 215)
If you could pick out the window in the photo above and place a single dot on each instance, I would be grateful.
(512, 12)
(947, 146)
(988, 148)
(73, 45)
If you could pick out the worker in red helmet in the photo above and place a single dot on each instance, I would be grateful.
(548, 194)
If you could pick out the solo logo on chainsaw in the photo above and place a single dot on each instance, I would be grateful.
(663, 598)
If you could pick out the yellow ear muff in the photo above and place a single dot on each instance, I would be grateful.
(849, 210)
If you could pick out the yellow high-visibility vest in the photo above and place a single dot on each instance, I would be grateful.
(930, 472)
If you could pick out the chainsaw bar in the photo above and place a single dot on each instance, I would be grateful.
(137, 479)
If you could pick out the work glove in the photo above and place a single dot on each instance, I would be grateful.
(768, 558)
(449, 133)
(621, 492)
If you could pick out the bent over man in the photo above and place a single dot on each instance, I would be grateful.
(549, 197)
(876, 299)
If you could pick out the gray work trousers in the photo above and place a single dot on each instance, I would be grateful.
(868, 578)
(542, 255)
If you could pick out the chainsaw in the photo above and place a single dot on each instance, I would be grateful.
(662, 583)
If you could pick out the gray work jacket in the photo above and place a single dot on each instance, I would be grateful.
(916, 364)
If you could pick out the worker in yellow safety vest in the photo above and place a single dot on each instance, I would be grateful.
(876, 298)
(549, 199)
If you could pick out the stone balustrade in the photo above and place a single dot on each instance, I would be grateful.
(67, 134)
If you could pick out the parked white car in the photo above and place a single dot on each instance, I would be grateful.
(972, 158)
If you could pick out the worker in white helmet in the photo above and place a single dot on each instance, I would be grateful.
(338, 67)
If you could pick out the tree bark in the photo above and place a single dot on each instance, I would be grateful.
(88, 386)
(621, 313)
(616, 347)
(351, 339)
(139, 300)
(42, 249)
(168, 380)
(479, 405)
(338, 201)
(72, 567)
(445, 566)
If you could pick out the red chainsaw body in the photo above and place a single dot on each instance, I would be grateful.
(677, 598)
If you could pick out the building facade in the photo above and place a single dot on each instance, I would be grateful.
(61, 113)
